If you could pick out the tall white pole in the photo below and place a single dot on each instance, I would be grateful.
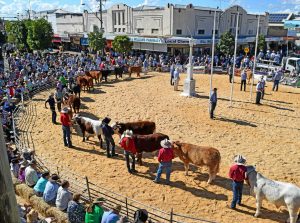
(190, 71)
(234, 57)
(255, 55)
(212, 53)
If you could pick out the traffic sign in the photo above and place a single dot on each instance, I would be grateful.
(246, 50)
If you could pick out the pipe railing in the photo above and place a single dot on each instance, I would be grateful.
(23, 119)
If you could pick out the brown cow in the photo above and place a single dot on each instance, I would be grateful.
(147, 143)
(139, 127)
(85, 82)
(200, 156)
(238, 73)
(135, 69)
(73, 102)
(95, 75)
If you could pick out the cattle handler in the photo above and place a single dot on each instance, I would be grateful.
(66, 123)
(128, 145)
(51, 103)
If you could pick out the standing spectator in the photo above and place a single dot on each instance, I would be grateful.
(237, 173)
(51, 103)
(50, 191)
(128, 145)
(66, 123)
(172, 69)
(230, 73)
(76, 212)
(63, 81)
(165, 156)
(112, 216)
(95, 212)
(277, 78)
(259, 89)
(145, 66)
(176, 79)
(64, 196)
(31, 176)
(243, 79)
(39, 188)
(213, 102)
(108, 133)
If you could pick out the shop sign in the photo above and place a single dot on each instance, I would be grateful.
(177, 41)
(84, 41)
(146, 40)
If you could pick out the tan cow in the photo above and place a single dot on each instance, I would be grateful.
(199, 156)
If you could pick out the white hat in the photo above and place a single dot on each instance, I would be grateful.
(239, 159)
(65, 110)
(128, 133)
(166, 143)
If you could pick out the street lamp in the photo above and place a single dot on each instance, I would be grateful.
(189, 82)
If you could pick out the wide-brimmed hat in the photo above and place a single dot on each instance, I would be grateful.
(117, 208)
(128, 133)
(239, 159)
(98, 200)
(65, 110)
(166, 143)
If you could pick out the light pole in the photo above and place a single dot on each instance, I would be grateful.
(100, 10)
(212, 54)
(189, 82)
(255, 54)
(234, 57)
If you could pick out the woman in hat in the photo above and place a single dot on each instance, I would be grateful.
(127, 143)
(95, 212)
(237, 173)
(165, 156)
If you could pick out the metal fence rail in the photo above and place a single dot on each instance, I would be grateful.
(23, 121)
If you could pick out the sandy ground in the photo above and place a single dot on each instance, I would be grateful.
(268, 135)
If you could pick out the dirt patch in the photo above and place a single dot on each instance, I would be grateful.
(268, 135)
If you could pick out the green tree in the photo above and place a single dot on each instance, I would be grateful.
(96, 40)
(2, 38)
(226, 44)
(261, 42)
(17, 33)
(122, 44)
(40, 34)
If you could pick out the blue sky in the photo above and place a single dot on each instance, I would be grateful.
(12, 7)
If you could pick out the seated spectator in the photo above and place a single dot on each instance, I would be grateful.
(41, 184)
(140, 216)
(112, 216)
(51, 188)
(76, 210)
(14, 167)
(21, 175)
(64, 196)
(95, 212)
(31, 176)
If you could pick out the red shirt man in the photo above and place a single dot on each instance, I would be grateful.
(65, 119)
(238, 172)
(165, 155)
(127, 143)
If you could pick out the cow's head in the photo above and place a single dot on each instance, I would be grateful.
(76, 119)
(177, 147)
(116, 127)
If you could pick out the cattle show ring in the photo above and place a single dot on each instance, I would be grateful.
(267, 135)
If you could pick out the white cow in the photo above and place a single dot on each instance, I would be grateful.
(279, 193)
(89, 127)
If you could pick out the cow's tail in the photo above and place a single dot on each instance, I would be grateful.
(154, 128)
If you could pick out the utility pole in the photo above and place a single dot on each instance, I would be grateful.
(101, 20)
(8, 203)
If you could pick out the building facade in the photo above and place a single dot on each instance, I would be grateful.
(165, 29)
